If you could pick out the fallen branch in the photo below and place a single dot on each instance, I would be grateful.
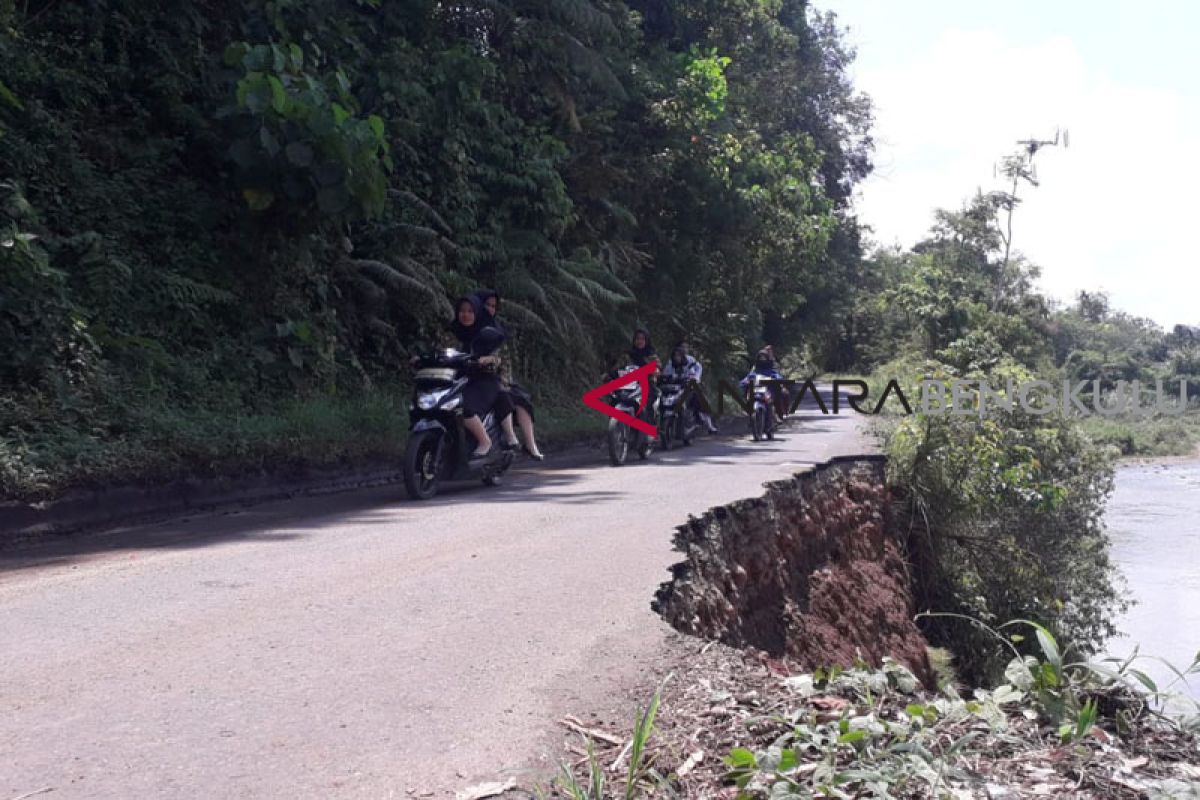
(616, 764)
(595, 733)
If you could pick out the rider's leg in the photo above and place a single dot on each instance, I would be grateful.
(525, 421)
(703, 415)
(475, 426)
(504, 412)
(479, 395)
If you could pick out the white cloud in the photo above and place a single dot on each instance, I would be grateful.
(1114, 211)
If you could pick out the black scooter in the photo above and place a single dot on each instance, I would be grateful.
(439, 447)
(675, 420)
(621, 437)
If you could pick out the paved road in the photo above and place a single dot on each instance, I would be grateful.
(357, 645)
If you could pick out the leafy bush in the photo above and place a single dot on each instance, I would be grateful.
(1005, 519)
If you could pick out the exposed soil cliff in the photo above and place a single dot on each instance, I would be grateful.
(810, 570)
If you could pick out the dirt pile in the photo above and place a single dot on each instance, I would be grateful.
(810, 570)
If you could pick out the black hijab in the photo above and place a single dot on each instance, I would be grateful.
(484, 295)
(640, 356)
(467, 333)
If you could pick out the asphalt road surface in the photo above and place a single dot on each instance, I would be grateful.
(356, 645)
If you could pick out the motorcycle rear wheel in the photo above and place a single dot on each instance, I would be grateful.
(759, 424)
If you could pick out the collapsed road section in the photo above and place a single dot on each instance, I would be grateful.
(813, 569)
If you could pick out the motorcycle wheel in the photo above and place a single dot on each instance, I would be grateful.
(759, 424)
(618, 443)
(683, 433)
(420, 471)
(665, 437)
(493, 478)
(645, 445)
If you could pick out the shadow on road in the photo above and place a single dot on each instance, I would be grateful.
(281, 521)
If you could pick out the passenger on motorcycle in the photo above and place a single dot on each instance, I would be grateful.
(520, 398)
(482, 392)
(684, 366)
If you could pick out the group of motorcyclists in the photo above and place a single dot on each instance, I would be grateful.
(480, 387)
(681, 366)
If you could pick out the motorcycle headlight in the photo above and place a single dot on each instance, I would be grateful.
(429, 400)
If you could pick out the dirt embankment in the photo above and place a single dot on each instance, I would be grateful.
(810, 571)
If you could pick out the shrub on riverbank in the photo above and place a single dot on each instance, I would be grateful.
(1157, 437)
(1004, 518)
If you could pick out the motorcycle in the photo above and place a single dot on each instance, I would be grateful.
(439, 447)
(621, 437)
(675, 422)
(762, 417)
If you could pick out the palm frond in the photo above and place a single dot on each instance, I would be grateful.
(394, 280)
(580, 16)
(525, 316)
(425, 208)
(593, 67)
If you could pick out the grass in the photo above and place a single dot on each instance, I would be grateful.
(641, 779)
(159, 442)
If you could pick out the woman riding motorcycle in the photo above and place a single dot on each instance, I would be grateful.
(519, 397)
(483, 391)
(764, 365)
(685, 367)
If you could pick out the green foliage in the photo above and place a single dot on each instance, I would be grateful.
(303, 144)
(1006, 521)
(227, 206)
(1153, 437)
(890, 739)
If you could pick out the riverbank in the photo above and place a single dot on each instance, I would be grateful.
(1157, 437)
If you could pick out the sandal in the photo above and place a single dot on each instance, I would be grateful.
(533, 455)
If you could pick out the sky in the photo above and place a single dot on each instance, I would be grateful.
(956, 84)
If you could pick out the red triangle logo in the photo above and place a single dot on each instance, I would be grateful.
(641, 376)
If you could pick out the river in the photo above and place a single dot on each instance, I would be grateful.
(1153, 517)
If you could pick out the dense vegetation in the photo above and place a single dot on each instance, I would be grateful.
(1005, 511)
(226, 224)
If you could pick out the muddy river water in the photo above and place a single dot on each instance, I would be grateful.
(1153, 517)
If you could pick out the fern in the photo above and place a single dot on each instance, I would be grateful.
(396, 281)
(424, 208)
(186, 292)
